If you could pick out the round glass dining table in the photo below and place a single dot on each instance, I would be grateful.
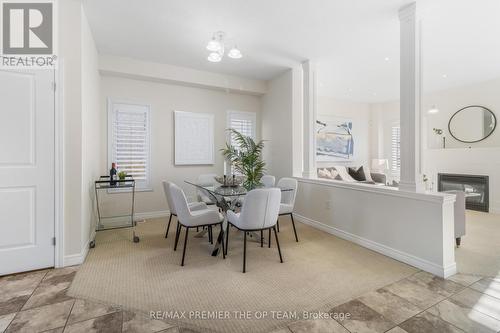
(226, 198)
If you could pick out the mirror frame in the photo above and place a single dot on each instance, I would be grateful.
(471, 106)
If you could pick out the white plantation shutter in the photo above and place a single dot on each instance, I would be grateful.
(129, 141)
(243, 122)
(396, 148)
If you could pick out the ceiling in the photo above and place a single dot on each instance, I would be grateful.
(355, 43)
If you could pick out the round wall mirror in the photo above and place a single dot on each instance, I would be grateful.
(472, 124)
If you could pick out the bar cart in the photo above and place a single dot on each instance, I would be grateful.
(118, 185)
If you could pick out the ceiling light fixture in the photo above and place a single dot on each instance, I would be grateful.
(433, 110)
(214, 57)
(213, 45)
(234, 53)
(216, 46)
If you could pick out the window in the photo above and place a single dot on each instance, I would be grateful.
(243, 122)
(395, 148)
(129, 140)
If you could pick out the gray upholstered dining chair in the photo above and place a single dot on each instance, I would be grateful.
(191, 219)
(288, 200)
(259, 213)
(192, 205)
(268, 181)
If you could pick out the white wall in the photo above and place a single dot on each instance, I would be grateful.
(70, 56)
(164, 98)
(127, 67)
(360, 115)
(91, 130)
(450, 101)
(464, 158)
(79, 91)
(277, 125)
(411, 227)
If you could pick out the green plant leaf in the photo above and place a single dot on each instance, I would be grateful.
(246, 157)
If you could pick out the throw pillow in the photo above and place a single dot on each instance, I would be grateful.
(357, 174)
(368, 173)
(324, 173)
(343, 174)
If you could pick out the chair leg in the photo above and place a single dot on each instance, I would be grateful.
(222, 241)
(244, 251)
(261, 238)
(277, 243)
(294, 230)
(177, 234)
(278, 224)
(269, 242)
(210, 235)
(185, 244)
(168, 226)
(227, 237)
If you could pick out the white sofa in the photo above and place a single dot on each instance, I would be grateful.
(340, 172)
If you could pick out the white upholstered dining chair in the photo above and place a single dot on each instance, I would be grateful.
(288, 200)
(191, 219)
(259, 213)
(268, 180)
(206, 180)
(171, 207)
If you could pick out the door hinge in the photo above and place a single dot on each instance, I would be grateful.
(53, 241)
(54, 86)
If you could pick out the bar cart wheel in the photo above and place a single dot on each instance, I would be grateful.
(136, 239)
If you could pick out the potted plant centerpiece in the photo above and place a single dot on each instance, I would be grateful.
(246, 158)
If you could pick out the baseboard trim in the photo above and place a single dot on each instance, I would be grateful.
(151, 215)
(79, 258)
(404, 257)
(76, 259)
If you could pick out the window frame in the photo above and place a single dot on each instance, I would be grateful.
(141, 186)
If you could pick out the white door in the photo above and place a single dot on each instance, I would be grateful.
(26, 170)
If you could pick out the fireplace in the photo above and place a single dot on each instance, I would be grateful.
(476, 189)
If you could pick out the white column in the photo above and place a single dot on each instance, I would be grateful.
(410, 91)
(309, 119)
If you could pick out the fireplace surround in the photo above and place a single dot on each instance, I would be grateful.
(476, 188)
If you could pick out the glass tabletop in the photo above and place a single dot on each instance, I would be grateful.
(227, 191)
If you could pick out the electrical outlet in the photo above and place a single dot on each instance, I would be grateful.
(328, 205)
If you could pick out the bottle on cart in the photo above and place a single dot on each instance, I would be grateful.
(113, 175)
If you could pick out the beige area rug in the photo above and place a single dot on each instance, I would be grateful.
(319, 272)
(479, 252)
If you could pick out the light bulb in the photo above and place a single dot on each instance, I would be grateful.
(214, 45)
(234, 53)
(214, 57)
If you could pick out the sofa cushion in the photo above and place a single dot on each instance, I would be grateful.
(357, 173)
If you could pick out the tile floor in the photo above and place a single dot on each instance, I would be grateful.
(421, 303)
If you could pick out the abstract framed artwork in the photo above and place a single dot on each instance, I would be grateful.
(334, 139)
(194, 138)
